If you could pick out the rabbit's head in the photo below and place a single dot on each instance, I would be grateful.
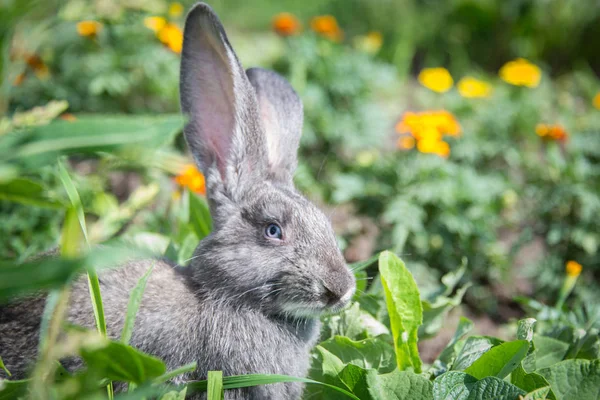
(270, 246)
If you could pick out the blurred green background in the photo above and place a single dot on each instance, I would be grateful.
(501, 171)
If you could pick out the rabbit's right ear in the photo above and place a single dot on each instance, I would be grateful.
(223, 128)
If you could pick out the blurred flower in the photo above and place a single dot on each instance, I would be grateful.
(40, 69)
(68, 117)
(88, 28)
(155, 23)
(172, 36)
(175, 10)
(406, 142)
(369, 43)
(521, 72)
(436, 79)
(573, 268)
(191, 178)
(366, 158)
(470, 87)
(596, 101)
(551, 132)
(327, 26)
(427, 130)
(286, 24)
(19, 79)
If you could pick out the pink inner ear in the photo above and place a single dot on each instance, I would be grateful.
(272, 132)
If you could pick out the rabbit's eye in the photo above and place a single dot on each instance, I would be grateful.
(273, 231)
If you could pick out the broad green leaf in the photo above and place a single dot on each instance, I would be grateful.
(174, 395)
(574, 379)
(119, 362)
(538, 394)
(548, 351)
(241, 381)
(368, 353)
(448, 355)
(435, 311)
(215, 385)
(528, 381)
(26, 191)
(353, 323)
(499, 360)
(474, 347)
(400, 385)
(135, 299)
(404, 309)
(355, 379)
(200, 216)
(456, 385)
(10, 390)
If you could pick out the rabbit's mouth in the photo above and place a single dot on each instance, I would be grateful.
(326, 303)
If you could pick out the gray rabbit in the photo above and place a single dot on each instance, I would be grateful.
(250, 299)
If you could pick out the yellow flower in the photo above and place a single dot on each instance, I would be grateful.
(369, 43)
(596, 101)
(521, 72)
(286, 24)
(327, 26)
(427, 129)
(172, 36)
(573, 268)
(191, 178)
(436, 79)
(88, 28)
(175, 10)
(470, 87)
(155, 23)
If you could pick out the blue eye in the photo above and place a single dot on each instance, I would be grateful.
(273, 231)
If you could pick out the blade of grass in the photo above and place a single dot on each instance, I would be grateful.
(241, 381)
(133, 306)
(176, 372)
(215, 385)
(93, 281)
(3, 367)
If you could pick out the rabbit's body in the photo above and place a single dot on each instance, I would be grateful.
(250, 299)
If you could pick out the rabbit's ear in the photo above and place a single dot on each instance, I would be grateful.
(281, 115)
(223, 129)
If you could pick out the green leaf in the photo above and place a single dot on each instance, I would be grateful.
(404, 309)
(174, 395)
(456, 385)
(200, 216)
(367, 353)
(500, 360)
(473, 348)
(400, 385)
(26, 191)
(538, 394)
(362, 265)
(10, 390)
(215, 385)
(548, 351)
(448, 355)
(528, 381)
(184, 369)
(3, 367)
(574, 379)
(119, 362)
(525, 328)
(241, 381)
(135, 299)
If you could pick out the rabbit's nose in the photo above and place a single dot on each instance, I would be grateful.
(336, 295)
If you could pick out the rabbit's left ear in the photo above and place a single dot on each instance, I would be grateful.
(281, 115)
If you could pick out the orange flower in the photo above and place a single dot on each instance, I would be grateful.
(19, 79)
(427, 129)
(521, 72)
(192, 179)
(172, 36)
(406, 142)
(327, 26)
(552, 132)
(40, 69)
(573, 268)
(286, 24)
(68, 117)
(596, 101)
(436, 79)
(88, 28)
(470, 87)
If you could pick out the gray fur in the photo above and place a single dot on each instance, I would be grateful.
(246, 303)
